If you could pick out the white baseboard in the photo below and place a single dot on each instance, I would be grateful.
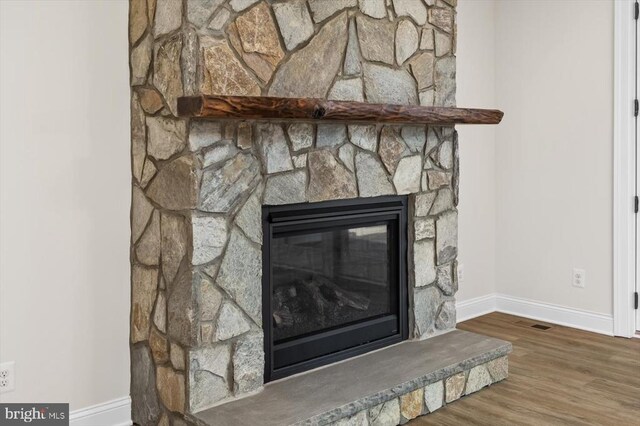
(111, 413)
(547, 312)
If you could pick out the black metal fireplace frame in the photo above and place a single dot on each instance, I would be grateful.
(392, 328)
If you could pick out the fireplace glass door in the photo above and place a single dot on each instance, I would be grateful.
(334, 277)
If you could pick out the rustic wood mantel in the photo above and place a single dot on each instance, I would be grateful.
(317, 110)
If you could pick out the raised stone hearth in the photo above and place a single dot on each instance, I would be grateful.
(198, 186)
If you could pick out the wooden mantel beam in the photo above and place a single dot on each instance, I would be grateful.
(320, 110)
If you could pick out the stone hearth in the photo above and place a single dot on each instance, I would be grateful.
(198, 186)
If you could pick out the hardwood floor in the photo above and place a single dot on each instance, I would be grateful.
(559, 376)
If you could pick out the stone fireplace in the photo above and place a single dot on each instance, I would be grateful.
(200, 189)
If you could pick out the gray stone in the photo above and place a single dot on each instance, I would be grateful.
(299, 161)
(148, 247)
(144, 283)
(387, 85)
(189, 59)
(294, 22)
(374, 8)
(454, 386)
(167, 72)
(447, 316)
(219, 20)
(426, 97)
(322, 9)
(415, 137)
(447, 237)
(376, 39)
(160, 312)
(168, 16)
(240, 5)
(445, 81)
(392, 148)
(424, 227)
(274, 148)
(141, 210)
(301, 135)
(346, 154)
(432, 140)
(426, 40)
(248, 363)
(352, 65)
(199, 11)
(434, 396)
(176, 354)
(441, 18)
(241, 275)
(372, 178)
(310, 71)
(412, 8)
(359, 419)
(443, 44)
(406, 41)
(366, 137)
(478, 378)
(209, 238)
(422, 69)
(331, 135)
(424, 262)
(181, 309)
(138, 138)
(443, 202)
(175, 187)
(231, 322)
(174, 232)
(208, 382)
(204, 133)
(329, 180)
(428, 300)
(224, 187)
(445, 155)
(423, 203)
(387, 414)
(286, 188)
(140, 60)
(222, 151)
(407, 176)
(498, 368)
(445, 281)
(250, 215)
(210, 299)
(245, 136)
(144, 399)
(167, 137)
(347, 90)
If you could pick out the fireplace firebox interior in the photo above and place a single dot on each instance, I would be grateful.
(334, 281)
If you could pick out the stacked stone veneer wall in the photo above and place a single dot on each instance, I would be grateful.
(198, 186)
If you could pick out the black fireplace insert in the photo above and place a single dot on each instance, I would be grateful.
(334, 281)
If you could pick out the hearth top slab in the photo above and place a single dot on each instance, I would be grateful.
(340, 390)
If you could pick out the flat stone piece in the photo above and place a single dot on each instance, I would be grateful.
(141, 210)
(167, 72)
(231, 322)
(447, 316)
(387, 414)
(299, 161)
(392, 148)
(443, 44)
(412, 8)
(328, 179)
(301, 135)
(359, 419)
(160, 312)
(387, 85)
(347, 90)
(478, 378)
(346, 154)
(373, 180)
(180, 309)
(223, 188)
(443, 202)
(423, 203)
(427, 302)
(138, 138)
(168, 16)
(199, 11)
(445, 280)
(140, 60)
(364, 136)
(331, 135)
(248, 363)
(411, 404)
(310, 71)
(445, 81)
(208, 382)
(322, 9)
(210, 298)
(447, 237)
(498, 368)
(426, 97)
(219, 20)
(249, 218)
(422, 70)
(415, 137)
(137, 19)
(150, 100)
(176, 184)
(245, 139)
(445, 155)
(258, 33)
(203, 134)
(442, 18)
(345, 389)
(424, 261)
(438, 179)
(176, 354)
(166, 137)
(240, 5)
(219, 152)
(352, 64)
(144, 399)
(407, 176)
(174, 243)
(294, 22)
(406, 41)
(434, 396)
(159, 347)
(209, 238)
(454, 386)
(171, 388)
(241, 275)
(148, 247)
(374, 8)
(426, 40)
(286, 188)
(274, 148)
(376, 39)
(223, 74)
(144, 283)
(424, 228)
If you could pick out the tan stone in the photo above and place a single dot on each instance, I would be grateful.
(438, 179)
(454, 385)
(137, 19)
(171, 388)
(422, 69)
(167, 137)
(175, 187)
(244, 136)
(150, 100)
(159, 346)
(164, 420)
(391, 148)
(260, 66)
(498, 368)
(258, 34)
(376, 39)
(411, 404)
(138, 138)
(144, 283)
(148, 172)
(328, 179)
(168, 16)
(140, 60)
(441, 18)
(167, 73)
(148, 248)
(174, 244)
(160, 312)
(223, 74)
(141, 210)
(151, 9)
(177, 356)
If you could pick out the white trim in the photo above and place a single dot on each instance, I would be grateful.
(116, 412)
(623, 167)
(547, 312)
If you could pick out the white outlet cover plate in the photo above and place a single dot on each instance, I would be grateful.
(579, 278)
(7, 377)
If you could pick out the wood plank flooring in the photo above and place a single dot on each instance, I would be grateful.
(559, 376)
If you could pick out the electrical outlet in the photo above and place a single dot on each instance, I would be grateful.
(460, 273)
(7, 377)
(579, 278)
